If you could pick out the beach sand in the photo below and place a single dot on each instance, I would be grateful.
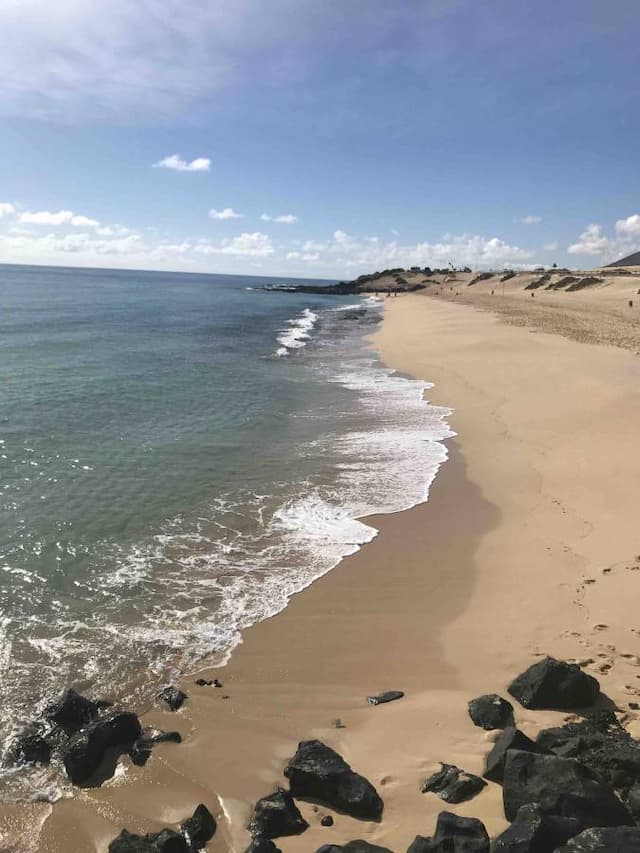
(527, 546)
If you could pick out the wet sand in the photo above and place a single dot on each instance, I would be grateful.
(526, 546)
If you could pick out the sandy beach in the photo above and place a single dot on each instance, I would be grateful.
(527, 546)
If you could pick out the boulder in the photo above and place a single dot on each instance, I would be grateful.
(601, 744)
(173, 696)
(72, 711)
(617, 839)
(554, 684)
(357, 846)
(140, 751)
(454, 834)
(327, 820)
(275, 816)
(453, 785)
(199, 828)
(317, 772)
(262, 845)
(166, 841)
(509, 739)
(29, 747)
(632, 801)
(491, 712)
(383, 698)
(86, 750)
(560, 786)
(535, 832)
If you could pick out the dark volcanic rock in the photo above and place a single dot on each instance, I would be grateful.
(140, 752)
(262, 845)
(453, 785)
(173, 696)
(327, 820)
(86, 750)
(275, 816)
(166, 841)
(509, 739)
(72, 711)
(357, 846)
(619, 839)
(199, 828)
(555, 684)
(382, 698)
(29, 747)
(560, 786)
(535, 832)
(454, 834)
(317, 772)
(491, 712)
(601, 744)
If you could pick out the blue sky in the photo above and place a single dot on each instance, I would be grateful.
(299, 137)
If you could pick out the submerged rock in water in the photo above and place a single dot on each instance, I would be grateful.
(174, 697)
(383, 698)
(509, 739)
(618, 839)
(535, 832)
(560, 786)
(29, 747)
(72, 711)
(166, 841)
(199, 828)
(357, 846)
(86, 750)
(453, 785)
(554, 684)
(317, 772)
(140, 751)
(491, 712)
(275, 816)
(454, 834)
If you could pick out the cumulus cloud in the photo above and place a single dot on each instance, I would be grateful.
(591, 242)
(227, 213)
(285, 218)
(178, 164)
(629, 226)
(6, 209)
(84, 222)
(254, 244)
(594, 241)
(58, 217)
(530, 220)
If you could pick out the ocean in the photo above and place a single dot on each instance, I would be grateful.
(179, 455)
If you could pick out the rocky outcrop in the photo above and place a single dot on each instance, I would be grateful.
(72, 711)
(199, 828)
(262, 845)
(554, 684)
(560, 786)
(533, 831)
(86, 750)
(454, 834)
(29, 747)
(509, 739)
(140, 751)
(173, 696)
(619, 839)
(491, 712)
(276, 816)
(194, 834)
(317, 772)
(453, 785)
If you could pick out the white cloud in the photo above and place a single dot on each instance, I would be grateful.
(6, 209)
(285, 218)
(46, 217)
(227, 213)
(341, 236)
(176, 162)
(629, 226)
(113, 231)
(551, 247)
(247, 244)
(530, 220)
(84, 222)
(591, 242)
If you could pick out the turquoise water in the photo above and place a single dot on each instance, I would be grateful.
(179, 454)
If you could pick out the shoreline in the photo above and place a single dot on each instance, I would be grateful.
(451, 599)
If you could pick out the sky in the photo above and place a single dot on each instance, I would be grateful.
(319, 139)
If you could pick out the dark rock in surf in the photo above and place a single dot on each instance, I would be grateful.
(173, 696)
(262, 845)
(618, 839)
(509, 739)
(556, 685)
(491, 712)
(317, 772)
(560, 786)
(383, 698)
(199, 828)
(207, 682)
(72, 711)
(453, 785)
(327, 820)
(166, 841)
(140, 751)
(275, 816)
(454, 834)
(29, 747)
(357, 846)
(86, 750)
(535, 832)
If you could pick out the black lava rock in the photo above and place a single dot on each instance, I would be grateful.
(509, 739)
(619, 839)
(327, 820)
(555, 684)
(383, 698)
(85, 751)
(453, 785)
(535, 832)
(454, 834)
(166, 841)
(29, 747)
(174, 697)
(72, 711)
(491, 712)
(262, 845)
(560, 786)
(199, 828)
(317, 772)
(275, 816)
(140, 752)
(357, 846)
